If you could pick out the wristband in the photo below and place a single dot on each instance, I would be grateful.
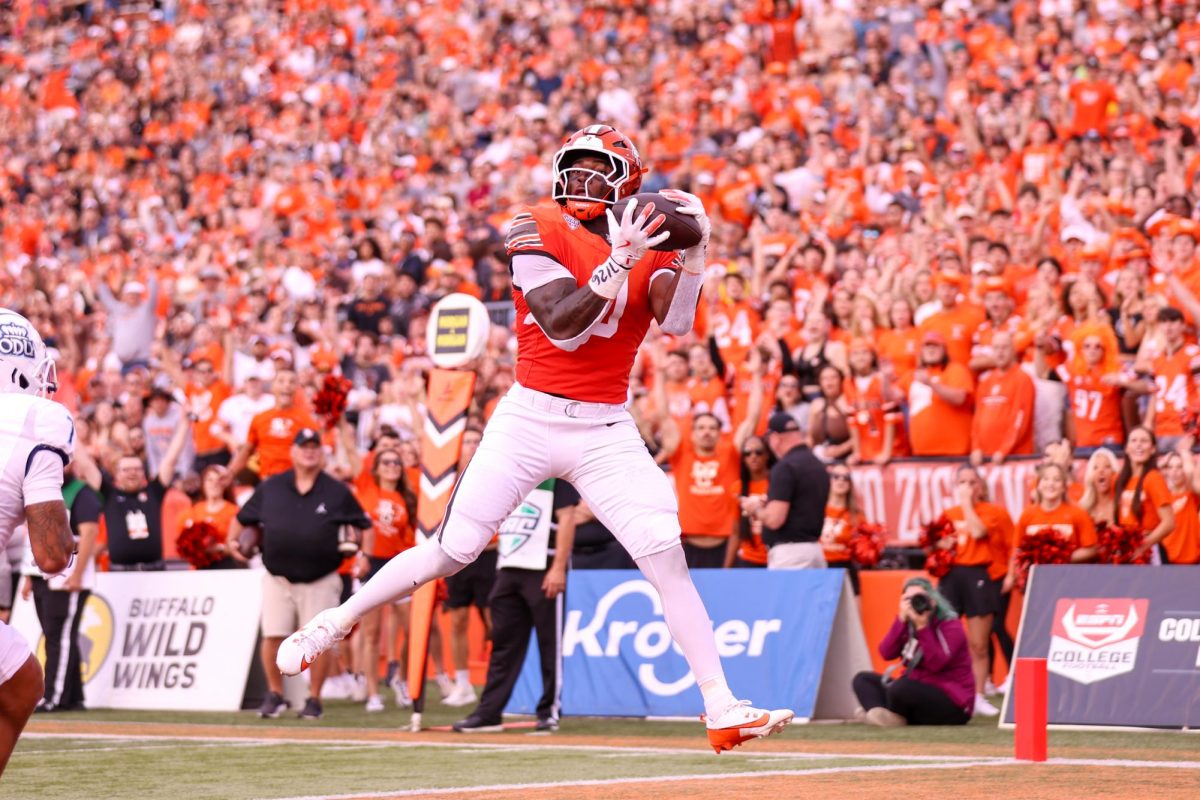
(608, 278)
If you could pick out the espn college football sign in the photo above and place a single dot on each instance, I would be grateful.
(1122, 644)
(1096, 639)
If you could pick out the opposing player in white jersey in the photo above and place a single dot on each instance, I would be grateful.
(586, 286)
(37, 439)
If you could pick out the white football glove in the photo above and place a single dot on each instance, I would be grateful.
(630, 239)
(696, 256)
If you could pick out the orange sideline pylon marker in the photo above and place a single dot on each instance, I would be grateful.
(1031, 687)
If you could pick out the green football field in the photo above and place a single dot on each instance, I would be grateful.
(349, 754)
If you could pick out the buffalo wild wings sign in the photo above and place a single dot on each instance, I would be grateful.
(164, 640)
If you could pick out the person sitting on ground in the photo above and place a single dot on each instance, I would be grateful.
(938, 686)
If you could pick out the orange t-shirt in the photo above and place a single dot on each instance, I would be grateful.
(972, 552)
(1068, 521)
(835, 534)
(219, 519)
(900, 348)
(957, 326)
(271, 434)
(204, 403)
(1183, 543)
(708, 397)
(752, 550)
(707, 488)
(872, 416)
(1095, 407)
(1155, 495)
(393, 530)
(935, 427)
(1003, 420)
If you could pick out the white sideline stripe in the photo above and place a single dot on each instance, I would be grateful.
(502, 748)
(775, 773)
(910, 761)
(1122, 762)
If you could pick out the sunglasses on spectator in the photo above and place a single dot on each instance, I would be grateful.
(389, 462)
(838, 476)
(754, 451)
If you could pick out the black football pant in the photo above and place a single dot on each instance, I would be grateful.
(519, 607)
(60, 613)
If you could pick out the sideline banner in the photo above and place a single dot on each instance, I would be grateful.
(775, 632)
(904, 495)
(1122, 644)
(163, 640)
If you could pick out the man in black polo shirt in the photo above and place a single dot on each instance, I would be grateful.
(300, 512)
(132, 504)
(794, 509)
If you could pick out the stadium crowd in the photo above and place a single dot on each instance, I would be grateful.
(940, 229)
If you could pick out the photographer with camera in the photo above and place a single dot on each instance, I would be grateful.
(938, 687)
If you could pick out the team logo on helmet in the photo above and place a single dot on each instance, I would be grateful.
(16, 341)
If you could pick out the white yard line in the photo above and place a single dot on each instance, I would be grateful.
(655, 779)
(511, 747)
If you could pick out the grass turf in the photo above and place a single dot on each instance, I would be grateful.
(71, 766)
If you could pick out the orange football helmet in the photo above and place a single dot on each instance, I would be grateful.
(624, 176)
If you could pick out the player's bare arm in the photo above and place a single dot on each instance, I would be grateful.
(49, 536)
(564, 310)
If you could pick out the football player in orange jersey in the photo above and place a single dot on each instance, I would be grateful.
(586, 286)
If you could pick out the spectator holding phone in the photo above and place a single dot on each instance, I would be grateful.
(938, 686)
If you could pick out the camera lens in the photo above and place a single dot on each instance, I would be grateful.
(920, 603)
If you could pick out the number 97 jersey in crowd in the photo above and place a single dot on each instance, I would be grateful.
(545, 245)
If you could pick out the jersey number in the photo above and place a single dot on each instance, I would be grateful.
(1087, 404)
(606, 328)
(1176, 394)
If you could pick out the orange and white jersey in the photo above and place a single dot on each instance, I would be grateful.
(546, 245)
(1095, 407)
(735, 326)
(1177, 389)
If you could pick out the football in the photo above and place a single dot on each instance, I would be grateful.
(684, 228)
(249, 541)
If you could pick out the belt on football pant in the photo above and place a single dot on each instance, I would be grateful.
(562, 406)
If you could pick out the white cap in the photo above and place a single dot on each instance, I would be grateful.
(133, 287)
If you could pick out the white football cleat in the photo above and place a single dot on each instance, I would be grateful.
(741, 722)
(461, 696)
(302, 648)
(984, 708)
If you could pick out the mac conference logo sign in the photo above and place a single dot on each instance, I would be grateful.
(1096, 638)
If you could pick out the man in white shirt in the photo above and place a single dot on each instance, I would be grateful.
(238, 411)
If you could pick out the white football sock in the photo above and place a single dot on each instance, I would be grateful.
(399, 578)
(689, 624)
(463, 677)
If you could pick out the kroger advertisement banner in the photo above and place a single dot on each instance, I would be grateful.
(1122, 644)
(904, 495)
(773, 633)
(164, 640)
